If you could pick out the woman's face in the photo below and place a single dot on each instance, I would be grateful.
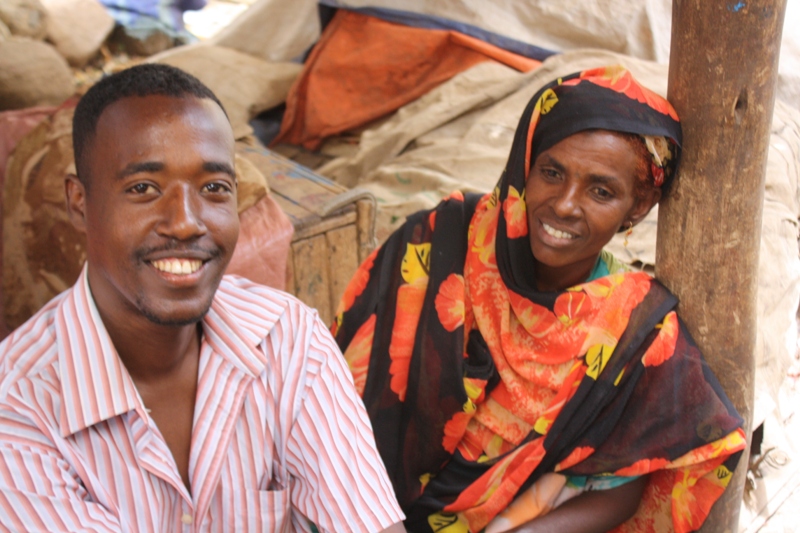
(579, 193)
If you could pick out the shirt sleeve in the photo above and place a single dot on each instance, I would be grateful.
(39, 490)
(340, 482)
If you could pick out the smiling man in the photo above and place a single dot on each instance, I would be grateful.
(157, 394)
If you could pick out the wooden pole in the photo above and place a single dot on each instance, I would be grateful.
(722, 76)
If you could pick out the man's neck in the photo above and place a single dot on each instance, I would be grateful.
(157, 354)
(151, 352)
(163, 362)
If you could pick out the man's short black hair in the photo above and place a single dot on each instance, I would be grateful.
(141, 80)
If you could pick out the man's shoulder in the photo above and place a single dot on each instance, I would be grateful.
(298, 340)
(237, 288)
(32, 346)
(258, 303)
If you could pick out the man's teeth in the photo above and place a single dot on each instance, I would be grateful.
(558, 234)
(178, 266)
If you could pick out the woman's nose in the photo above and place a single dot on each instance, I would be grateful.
(181, 215)
(566, 203)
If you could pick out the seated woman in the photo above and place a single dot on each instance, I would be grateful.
(518, 378)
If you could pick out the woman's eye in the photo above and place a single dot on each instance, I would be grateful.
(603, 193)
(550, 174)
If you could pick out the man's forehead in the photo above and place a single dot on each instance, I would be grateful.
(155, 119)
(160, 129)
(158, 107)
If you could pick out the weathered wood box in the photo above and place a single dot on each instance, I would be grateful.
(334, 228)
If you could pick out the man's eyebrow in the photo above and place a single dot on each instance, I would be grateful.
(147, 167)
(215, 167)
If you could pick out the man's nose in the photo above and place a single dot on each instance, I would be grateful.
(181, 218)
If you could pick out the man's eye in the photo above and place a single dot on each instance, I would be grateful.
(217, 188)
(141, 188)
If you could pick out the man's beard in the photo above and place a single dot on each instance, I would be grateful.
(172, 322)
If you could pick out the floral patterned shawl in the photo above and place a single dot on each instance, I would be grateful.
(483, 391)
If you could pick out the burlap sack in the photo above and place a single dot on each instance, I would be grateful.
(14, 125)
(25, 18)
(244, 84)
(42, 252)
(77, 28)
(32, 73)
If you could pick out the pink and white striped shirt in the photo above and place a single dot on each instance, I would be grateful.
(280, 438)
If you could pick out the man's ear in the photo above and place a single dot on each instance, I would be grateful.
(644, 205)
(75, 193)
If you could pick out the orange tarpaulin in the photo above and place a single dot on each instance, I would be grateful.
(363, 68)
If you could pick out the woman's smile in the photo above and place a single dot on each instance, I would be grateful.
(557, 234)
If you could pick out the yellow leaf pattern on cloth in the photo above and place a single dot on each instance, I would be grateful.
(596, 359)
(542, 426)
(424, 479)
(447, 523)
(723, 475)
(547, 101)
(416, 262)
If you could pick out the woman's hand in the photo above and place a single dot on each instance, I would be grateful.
(594, 511)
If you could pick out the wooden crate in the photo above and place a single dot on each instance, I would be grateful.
(334, 228)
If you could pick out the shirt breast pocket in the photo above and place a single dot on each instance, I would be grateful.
(264, 510)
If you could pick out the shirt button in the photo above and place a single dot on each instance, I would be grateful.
(186, 519)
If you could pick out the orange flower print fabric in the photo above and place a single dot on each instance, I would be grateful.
(450, 302)
(576, 456)
(514, 207)
(481, 388)
(409, 304)
(358, 352)
(664, 344)
(620, 80)
(455, 427)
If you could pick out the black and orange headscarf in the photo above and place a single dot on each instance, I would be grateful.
(480, 388)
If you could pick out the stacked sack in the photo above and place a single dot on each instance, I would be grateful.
(39, 40)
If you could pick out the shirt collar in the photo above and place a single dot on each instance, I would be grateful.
(96, 386)
(236, 325)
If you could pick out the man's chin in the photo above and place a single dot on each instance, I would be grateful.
(175, 318)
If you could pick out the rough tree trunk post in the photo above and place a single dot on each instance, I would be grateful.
(722, 76)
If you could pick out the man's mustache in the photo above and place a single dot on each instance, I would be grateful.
(181, 248)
